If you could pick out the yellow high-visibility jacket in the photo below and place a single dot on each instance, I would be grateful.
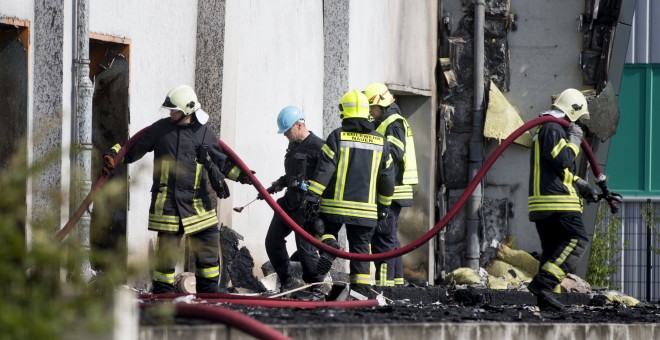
(552, 168)
(354, 175)
(179, 192)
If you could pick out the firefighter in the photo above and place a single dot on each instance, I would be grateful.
(300, 162)
(186, 153)
(555, 196)
(397, 131)
(354, 184)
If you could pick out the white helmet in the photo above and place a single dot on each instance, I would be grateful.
(183, 98)
(573, 104)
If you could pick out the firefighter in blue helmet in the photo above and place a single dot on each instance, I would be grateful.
(555, 196)
(352, 186)
(186, 154)
(300, 161)
(391, 124)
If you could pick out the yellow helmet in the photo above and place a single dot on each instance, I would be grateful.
(378, 94)
(573, 103)
(354, 104)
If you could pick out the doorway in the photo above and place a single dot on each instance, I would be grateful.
(109, 71)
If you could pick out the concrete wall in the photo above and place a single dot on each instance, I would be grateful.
(273, 58)
(544, 54)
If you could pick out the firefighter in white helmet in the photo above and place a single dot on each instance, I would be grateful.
(391, 124)
(186, 154)
(353, 182)
(555, 196)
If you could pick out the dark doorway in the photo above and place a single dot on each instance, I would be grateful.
(109, 70)
(14, 43)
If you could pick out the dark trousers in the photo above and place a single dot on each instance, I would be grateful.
(386, 239)
(563, 241)
(276, 248)
(358, 238)
(205, 245)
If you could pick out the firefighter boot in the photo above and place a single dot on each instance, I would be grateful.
(291, 283)
(325, 259)
(545, 299)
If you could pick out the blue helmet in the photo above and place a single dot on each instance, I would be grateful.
(287, 117)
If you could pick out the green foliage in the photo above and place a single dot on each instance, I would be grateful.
(44, 295)
(651, 220)
(606, 245)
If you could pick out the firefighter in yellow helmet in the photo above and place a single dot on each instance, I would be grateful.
(186, 155)
(391, 124)
(555, 196)
(354, 184)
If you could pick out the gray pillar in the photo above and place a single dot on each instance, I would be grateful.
(82, 129)
(47, 113)
(335, 78)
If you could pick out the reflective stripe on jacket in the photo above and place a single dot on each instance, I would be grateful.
(552, 167)
(179, 192)
(353, 176)
(398, 133)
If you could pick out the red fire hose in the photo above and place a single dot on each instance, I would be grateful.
(340, 253)
(441, 224)
(225, 316)
(100, 182)
(261, 301)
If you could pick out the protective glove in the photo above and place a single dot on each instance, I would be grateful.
(218, 182)
(109, 160)
(216, 178)
(310, 206)
(244, 179)
(613, 199)
(383, 212)
(588, 193)
(275, 187)
(575, 134)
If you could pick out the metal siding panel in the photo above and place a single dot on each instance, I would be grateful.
(644, 46)
(626, 154)
(654, 138)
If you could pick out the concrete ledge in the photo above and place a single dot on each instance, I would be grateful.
(465, 330)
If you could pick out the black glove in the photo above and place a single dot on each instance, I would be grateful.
(109, 160)
(383, 212)
(216, 177)
(588, 193)
(218, 182)
(244, 179)
(310, 206)
(275, 187)
(613, 199)
(575, 134)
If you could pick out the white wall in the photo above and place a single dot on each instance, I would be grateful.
(163, 38)
(392, 41)
(17, 9)
(273, 58)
